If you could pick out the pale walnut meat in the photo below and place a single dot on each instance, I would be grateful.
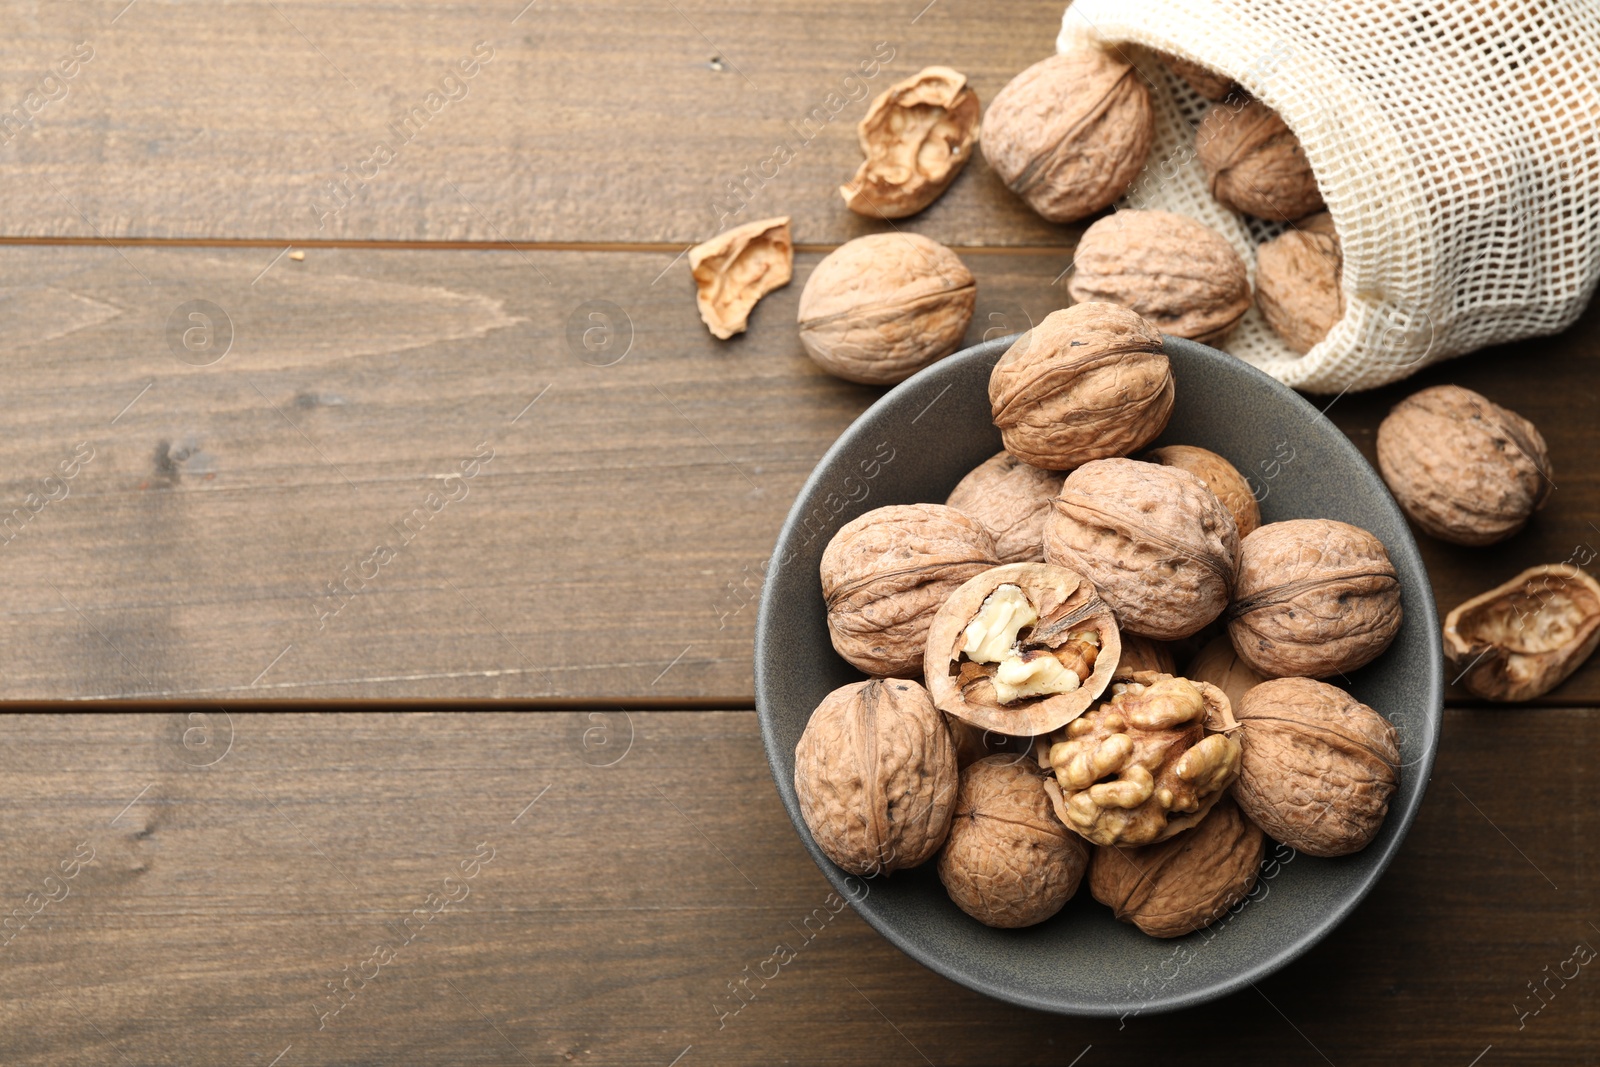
(1021, 649)
(1185, 883)
(1297, 282)
(1318, 766)
(1220, 665)
(875, 774)
(1219, 476)
(1011, 499)
(1522, 639)
(1254, 164)
(885, 574)
(917, 135)
(1203, 80)
(738, 267)
(1089, 382)
(1140, 654)
(1008, 862)
(1146, 764)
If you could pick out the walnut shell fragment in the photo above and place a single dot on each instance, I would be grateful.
(1141, 654)
(1021, 649)
(738, 267)
(1219, 476)
(875, 774)
(1090, 381)
(1070, 133)
(1254, 164)
(1008, 862)
(1522, 639)
(1220, 665)
(1314, 598)
(1318, 766)
(1011, 499)
(885, 574)
(1465, 469)
(1298, 282)
(1180, 274)
(1203, 80)
(880, 308)
(1185, 883)
(917, 135)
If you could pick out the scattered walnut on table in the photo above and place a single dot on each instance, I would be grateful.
(1011, 499)
(1522, 639)
(1219, 476)
(917, 135)
(1254, 164)
(738, 267)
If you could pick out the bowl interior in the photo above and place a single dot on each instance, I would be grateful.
(913, 445)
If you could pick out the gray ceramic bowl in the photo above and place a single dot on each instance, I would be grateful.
(913, 445)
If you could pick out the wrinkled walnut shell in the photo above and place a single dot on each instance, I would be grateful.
(1254, 164)
(1070, 133)
(1297, 282)
(1318, 767)
(1315, 597)
(1466, 470)
(875, 773)
(1203, 80)
(1220, 665)
(1008, 862)
(738, 267)
(1522, 639)
(1219, 476)
(917, 135)
(1180, 274)
(1140, 654)
(885, 574)
(1090, 381)
(880, 308)
(1011, 499)
(973, 743)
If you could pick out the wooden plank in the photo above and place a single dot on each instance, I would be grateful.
(236, 876)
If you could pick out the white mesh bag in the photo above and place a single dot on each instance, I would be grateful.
(1456, 142)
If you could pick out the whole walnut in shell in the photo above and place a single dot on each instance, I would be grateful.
(1011, 499)
(1186, 882)
(1070, 133)
(1318, 766)
(1466, 470)
(1090, 381)
(1203, 80)
(1522, 639)
(973, 743)
(880, 308)
(875, 773)
(1140, 654)
(1220, 665)
(1008, 861)
(917, 135)
(1297, 282)
(738, 267)
(1181, 275)
(886, 573)
(1219, 476)
(1155, 541)
(1254, 164)
(1314, 598)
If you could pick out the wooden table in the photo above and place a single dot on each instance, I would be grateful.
(480, 750)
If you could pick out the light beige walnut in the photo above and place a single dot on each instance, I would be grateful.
(738, 267)
(917, 135)
(1220, 665)
(1521, 639)
(1219, 476)
(1254, 164)
(1011, 499)
(1297, 282)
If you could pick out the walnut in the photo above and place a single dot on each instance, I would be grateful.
(1220, 665)
(1297, 282)
(1203, 80)
(738, 267)
(875, 773)
(1522, 639)
(1466, 470)
(885, 574)
(1217, 475)
(973, 743)
(1142, 654)
(1314, 597)
(1008, 861)
(1254, 164)
(1010, 499)
(1021, 649)
(1090, 381)
(880, 308)
(1181, 275)
(1155, 541)
(917, 135)
(1318, 768)
(1184, 883)
(1146, 764)
(1070, 133)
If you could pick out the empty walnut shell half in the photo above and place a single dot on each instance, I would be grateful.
(1203, 80)
(1011, 499)
(1155, 541)
(875, 774)
(1070, 133)
(1318, 767)
(1465, 469)
(1220, 665)
(1254, 164)
(1180, 274)
(738, 267)
(1008, 862)
(1314, 598)
(1145, 764)
(1297, 282)
(1185, 883)
(885, 574)
(1522, 639)
(1090, 381)
(1219, 476)
(880, 308)
(917, 135)
(1140, 654)
(1021, 649)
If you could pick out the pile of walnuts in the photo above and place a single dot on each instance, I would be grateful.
(1023, 723)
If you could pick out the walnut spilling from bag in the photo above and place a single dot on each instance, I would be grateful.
(1203, 80)
(1254, 164)
(738, 267)
(1522, 639)
(1297, 282)
(1011, 499)
(917, 135)
(1217, 475)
